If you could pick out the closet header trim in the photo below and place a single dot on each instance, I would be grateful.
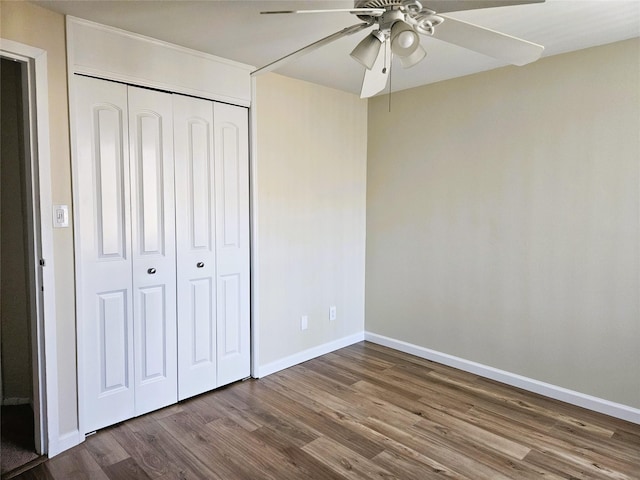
(110, 53)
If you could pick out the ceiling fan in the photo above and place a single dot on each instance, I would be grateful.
(400, 24)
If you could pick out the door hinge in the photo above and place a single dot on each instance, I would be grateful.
(42, 262)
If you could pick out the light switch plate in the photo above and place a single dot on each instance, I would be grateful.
(60, 216)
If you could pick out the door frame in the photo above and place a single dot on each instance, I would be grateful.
(40, 255)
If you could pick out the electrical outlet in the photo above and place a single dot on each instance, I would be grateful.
(333, 313)
(304, 322)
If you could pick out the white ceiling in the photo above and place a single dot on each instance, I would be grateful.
(234, 29)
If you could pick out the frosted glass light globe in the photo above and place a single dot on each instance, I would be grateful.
(405, 39)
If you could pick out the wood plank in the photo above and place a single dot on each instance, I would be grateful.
(323, 420)
(348, 401)
(500, 457)
(613, 448)
(201, 408)
(409, 467)
(345, 461)
(440, 453)
(127, 469)
(76, 464)
(277, 405)
(557, 447)
(572, 412)
(275, 423)
(396, 448)
(512, 399)
(194, 437)
(319, 366)
(182, 461)
(261, 459)
(628, 437)
(563, 467)
(472, 433)
(307, 465)
(143, 450)
(235, 410)
(105, 449)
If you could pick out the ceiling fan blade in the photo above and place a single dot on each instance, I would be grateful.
(444, 6)
(372, 12)
(375, 79)
(311, 47)
(488, 42)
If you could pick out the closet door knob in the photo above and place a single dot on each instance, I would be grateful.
(200, 264)
(151, 271)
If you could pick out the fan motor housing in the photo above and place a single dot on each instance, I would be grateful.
(387, 4)
(378, 3)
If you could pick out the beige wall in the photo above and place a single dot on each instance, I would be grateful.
(503, 219)
(37, 27)
(311, 194)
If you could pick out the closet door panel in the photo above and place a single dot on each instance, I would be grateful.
(153, 248)
(195, 240)
(112, 341)
(232, 241)
(230, 329)
(104, 277)
(153, 332)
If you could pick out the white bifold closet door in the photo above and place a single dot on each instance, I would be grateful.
(126, 249)
(162, 220)
(153, 248)
(212, 237)
(231, 127)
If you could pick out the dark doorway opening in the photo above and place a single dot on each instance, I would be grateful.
(16, 369)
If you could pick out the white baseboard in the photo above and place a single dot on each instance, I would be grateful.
(596, 404)
(290, 361)
(17, 401)
(64, 442)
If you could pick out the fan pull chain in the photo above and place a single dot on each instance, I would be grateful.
(390, 76)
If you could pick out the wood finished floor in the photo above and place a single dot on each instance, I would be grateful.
(361, 412)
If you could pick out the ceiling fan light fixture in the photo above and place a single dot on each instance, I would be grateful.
(404, 39)
(413, 59)
(367, 50)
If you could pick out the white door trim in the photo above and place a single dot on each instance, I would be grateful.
(46, 398)
(253, 225)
